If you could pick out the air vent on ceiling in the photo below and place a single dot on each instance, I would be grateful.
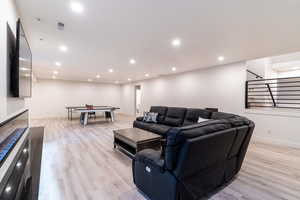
(60, 26)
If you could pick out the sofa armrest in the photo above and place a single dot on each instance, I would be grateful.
(139, 118)
(150, 157)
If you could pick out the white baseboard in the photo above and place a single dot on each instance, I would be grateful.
(276, 142)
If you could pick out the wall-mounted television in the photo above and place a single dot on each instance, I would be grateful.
(21, 66)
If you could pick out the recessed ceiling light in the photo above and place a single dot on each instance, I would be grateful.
(129, 79)
(55, 72)
(174, 69)
(147, 75)
(176, 42)
(24, 69)
(98, 76)
(132, 61)
(111, 70)
(63, 48)
(58, 64)
(77, 7)
(221, 58)
(53, 77)
(90, 80)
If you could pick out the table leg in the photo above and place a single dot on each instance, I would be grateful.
(85, 119)
(71, 114)
(112, 116)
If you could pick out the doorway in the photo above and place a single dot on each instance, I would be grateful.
(138, 99)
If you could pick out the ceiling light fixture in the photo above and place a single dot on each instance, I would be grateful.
(55, 72)
(221, 58)
(132, 61)
(129, 79)
(77, 7)
(58, 64)
(147, 75)
(63, 48)
(98, 76)
(111, 70)
(174, 69)
(176, 42)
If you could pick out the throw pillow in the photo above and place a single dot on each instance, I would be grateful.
(150, 117)
(200, 119)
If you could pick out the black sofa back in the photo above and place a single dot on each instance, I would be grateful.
(169, 117)
(174, 116)
(215, 149)
(161, 110)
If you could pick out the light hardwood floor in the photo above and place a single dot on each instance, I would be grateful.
(79, 163)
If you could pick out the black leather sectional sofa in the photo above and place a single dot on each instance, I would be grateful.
(198, 157)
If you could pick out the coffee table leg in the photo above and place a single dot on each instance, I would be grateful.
(112, 117)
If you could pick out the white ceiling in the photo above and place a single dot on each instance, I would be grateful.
(110, 32)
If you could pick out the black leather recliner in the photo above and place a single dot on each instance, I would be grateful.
(198, 158)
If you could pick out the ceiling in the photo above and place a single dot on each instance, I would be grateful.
(109, 33)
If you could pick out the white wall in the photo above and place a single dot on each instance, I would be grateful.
(276, 126)
(294, 73)
(50, 97)
(211, 87)
(8, 14)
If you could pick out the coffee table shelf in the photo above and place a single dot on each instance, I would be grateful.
(133, 140)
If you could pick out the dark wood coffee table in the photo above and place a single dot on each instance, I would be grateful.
(133, 140)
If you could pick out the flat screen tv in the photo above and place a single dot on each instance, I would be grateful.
(21, 66)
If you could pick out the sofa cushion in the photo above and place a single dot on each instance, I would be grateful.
(143, 125)
(159, 129)
(192, 115)
(150, 117)
(161, 110)
(174, 116)
(221, 115)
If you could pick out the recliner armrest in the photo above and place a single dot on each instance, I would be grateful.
(150, 157)
(139, 118)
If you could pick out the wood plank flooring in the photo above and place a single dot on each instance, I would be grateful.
(79, 163)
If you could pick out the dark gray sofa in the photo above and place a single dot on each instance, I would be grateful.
(198, 157)
(169, 117)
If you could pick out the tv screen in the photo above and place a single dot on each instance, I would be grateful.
(21, 69)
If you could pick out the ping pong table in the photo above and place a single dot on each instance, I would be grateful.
(107, 110)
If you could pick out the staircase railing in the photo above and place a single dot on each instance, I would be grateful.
(273, 93)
